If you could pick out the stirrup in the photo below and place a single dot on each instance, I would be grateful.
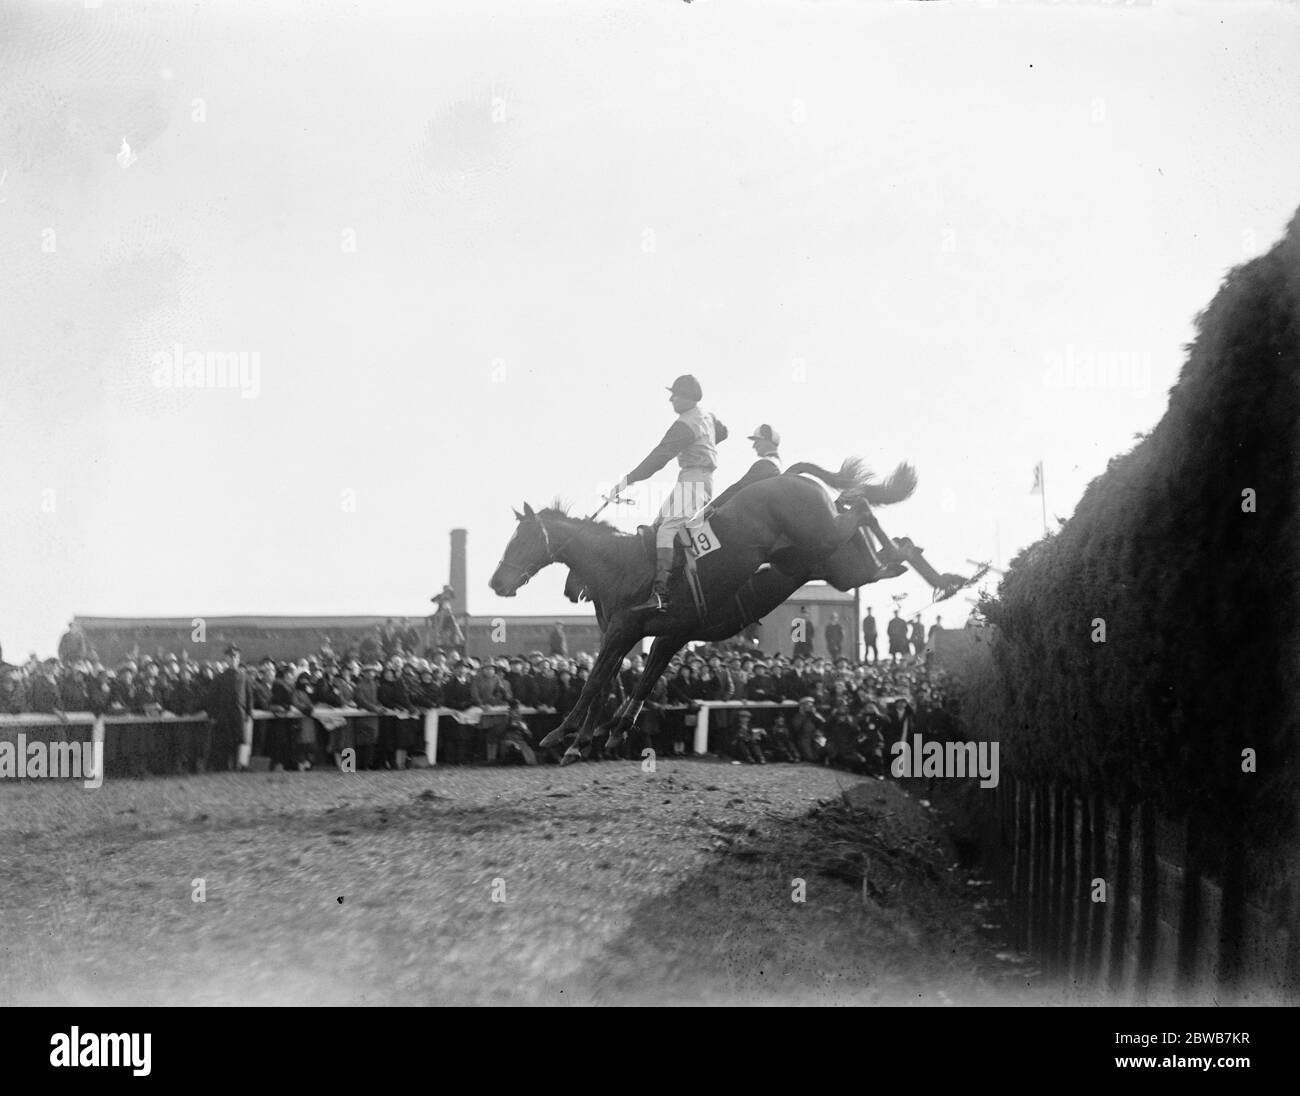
(656, 602)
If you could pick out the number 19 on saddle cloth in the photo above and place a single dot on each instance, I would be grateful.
(686, 508)
(699, 536)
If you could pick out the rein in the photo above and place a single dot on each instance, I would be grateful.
(524, 574)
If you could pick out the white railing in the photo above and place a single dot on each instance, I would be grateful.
(431, 717)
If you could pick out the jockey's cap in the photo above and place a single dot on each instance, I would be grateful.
(765, 433)
(687, 386)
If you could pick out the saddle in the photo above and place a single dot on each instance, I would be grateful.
(683, 560)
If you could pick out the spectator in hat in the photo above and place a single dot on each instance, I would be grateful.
(304, 741)
(231, 705)
(761, 685)
(901, 723)
(261, 684)
(898, 636)
(918, 636)
(779, 742)
(834, 637)
(44, 688)
(370, 647)
(148, 700)
(281, 732)
(410, 636)
(123, 688)
(806, 727)
(515, 742)
(388, 637)
(366, 697)
(340, 692)
(74, 691)
(489, 689)
(790, 683)
(766, 442)
(445, 631)
(395, 740)
(559, 642)
(869, 636)
(842, 736)
(745, 741)
(72, 644)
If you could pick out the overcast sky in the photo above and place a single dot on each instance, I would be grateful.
(471, 243)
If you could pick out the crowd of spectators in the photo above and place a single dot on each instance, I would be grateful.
(848, 712)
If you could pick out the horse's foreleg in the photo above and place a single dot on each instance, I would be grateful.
(661, 653)
(618, 641)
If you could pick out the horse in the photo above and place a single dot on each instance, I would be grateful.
(767, 589)
(789, 513)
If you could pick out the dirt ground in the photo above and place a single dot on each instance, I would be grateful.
(596, 884)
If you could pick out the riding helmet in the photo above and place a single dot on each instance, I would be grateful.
(687, 386)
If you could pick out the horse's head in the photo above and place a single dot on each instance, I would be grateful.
(527, 553)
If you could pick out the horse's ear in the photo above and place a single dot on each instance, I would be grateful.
(528, 511)
(518, 515)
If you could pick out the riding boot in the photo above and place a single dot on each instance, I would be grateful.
(658, 599)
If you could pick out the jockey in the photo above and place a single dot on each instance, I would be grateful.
(692, 439)
(766, 440)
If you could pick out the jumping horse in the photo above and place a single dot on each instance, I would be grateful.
(787, 521)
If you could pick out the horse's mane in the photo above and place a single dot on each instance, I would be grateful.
(559, 508)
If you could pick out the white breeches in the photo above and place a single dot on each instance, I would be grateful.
(690, 494)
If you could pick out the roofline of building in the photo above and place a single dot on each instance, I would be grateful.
(287, 619)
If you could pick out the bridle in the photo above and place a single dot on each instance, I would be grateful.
(526, 573)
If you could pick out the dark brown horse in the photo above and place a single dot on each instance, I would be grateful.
(770, 587)
(787, 514)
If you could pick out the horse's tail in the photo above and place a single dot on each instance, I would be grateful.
(851, 476)
(855, 482)
(900, 485)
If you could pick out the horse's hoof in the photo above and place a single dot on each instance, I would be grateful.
(570, 756)
(612, 744)
(552, 739)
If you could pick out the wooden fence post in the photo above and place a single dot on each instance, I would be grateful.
(1148, 928)
(1095, 962)
(1119, 896)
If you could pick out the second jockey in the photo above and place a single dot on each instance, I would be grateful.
(766, 447)
(693, 440)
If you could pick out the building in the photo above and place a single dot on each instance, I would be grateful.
(116, 638)
(774, 632)
(113, 639)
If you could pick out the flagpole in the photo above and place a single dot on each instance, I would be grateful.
(1042, 484)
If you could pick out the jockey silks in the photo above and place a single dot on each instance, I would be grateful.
(692, 439)
(702, 453)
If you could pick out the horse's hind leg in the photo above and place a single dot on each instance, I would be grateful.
(889, 553)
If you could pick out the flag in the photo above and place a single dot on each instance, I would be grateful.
(1037, 488)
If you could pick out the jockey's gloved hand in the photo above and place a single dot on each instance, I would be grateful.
(618, 489)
